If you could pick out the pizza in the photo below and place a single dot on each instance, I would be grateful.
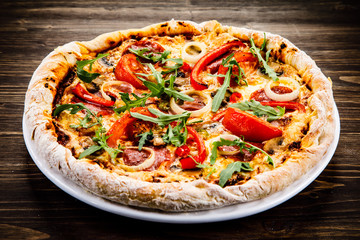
(180, 116)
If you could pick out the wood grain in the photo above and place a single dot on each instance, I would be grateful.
(31, 207)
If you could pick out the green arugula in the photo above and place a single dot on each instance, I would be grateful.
(220, 94)
(227, 173)
(85, 75)
(237, 142)
(159, 88)
(152, 56)
(100, 136)
(138, 102)
(259, 110)
(175, 135)
(163, 119)
(143, 138)
(256, 52)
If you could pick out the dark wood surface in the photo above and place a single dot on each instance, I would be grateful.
(32, 207)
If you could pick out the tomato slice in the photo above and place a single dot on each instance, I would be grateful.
(127, 68)
(249, 126)
(240, 57)
(189, 163)
(120, 128)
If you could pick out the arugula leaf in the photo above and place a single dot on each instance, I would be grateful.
(89, 151)
(85, 75)
(175, 135)
(138, 102)
(143, 138)
(259, 110)
(237, 142)
(256, 52)
(157, 90)
(100, 136)
(220, 94)
(227, 173)
(84, 123)
(152, 56)
(163, 119)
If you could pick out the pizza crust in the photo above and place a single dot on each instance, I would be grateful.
(181, 196)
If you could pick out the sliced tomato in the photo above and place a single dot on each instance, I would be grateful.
(119, 130)
(82, 93)
(205, 60)
(240, 57)
(185, 67)
(182, 151)
(189, 163)
(249, 126)
(127, 68)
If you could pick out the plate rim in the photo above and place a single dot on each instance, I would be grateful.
(204, 216)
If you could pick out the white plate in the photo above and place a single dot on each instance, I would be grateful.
(216, 215)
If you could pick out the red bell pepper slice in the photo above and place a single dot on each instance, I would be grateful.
(249, 126)
(286, 105)
(82, 93)
(205, 60)
(219, 116)
(239, 57)
(185, 67)
(189, 163)
(235, 97)
(120, 128)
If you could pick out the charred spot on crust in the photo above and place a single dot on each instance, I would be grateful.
(164, 25)
(305, 129)
(62, 85)
(295, 146)
(284, 159)
(46, 85)
(62, 137)
(181, 23)
(236, 180)
(283, 45)
(136, 37)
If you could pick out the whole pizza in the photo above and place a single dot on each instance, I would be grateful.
(180, 116)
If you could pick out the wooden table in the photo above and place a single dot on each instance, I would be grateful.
(32, 207)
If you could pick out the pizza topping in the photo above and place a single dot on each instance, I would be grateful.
(112, 88)
(135, 160)
(227, 144)
(82, 93)
(227, 173)
(249, 126)
(260, 110)
(205, 60)
(85, 75)
(197, 107)
(191, 162)
(256, 52)
(241, 58)
(193, 51)
(235, 97)
(289, 83)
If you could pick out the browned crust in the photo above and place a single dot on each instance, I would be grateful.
(189, 196)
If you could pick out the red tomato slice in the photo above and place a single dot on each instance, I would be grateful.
(127, 68)
(251, 127)
(235, 97)
(120, 128)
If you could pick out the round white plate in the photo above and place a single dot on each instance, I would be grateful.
(221, 214)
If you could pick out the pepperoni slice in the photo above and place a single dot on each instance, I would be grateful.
(133, 157)
(260, 95)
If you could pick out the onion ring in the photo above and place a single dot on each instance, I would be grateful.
(144, 165)
(178, 110)
(190, 53)
(288, 82)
